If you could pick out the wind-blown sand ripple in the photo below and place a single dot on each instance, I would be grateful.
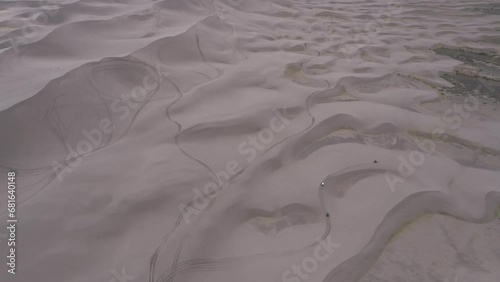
(222, 140)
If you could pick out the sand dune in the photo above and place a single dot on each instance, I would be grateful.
(237, 140)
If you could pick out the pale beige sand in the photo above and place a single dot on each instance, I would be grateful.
(118, 115)
(454, 251)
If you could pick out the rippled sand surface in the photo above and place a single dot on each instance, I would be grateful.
(239, 140)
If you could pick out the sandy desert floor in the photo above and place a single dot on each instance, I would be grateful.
(250, 140)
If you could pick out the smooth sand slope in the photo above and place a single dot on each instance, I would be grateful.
(238, 140)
